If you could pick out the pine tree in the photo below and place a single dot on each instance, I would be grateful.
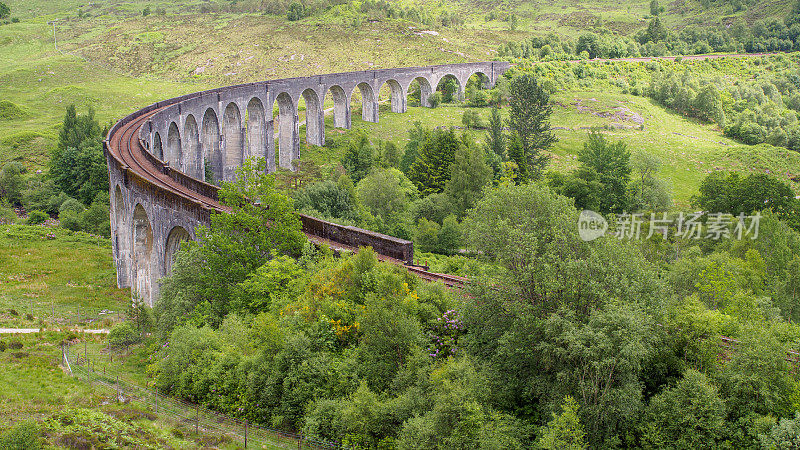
(431, 169)
(529, 119)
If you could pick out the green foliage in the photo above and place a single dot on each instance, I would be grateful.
(296, 11)
(270, 284)
(495, 139)
(469, 175)
(434, 207)
(426, 236)
(123, 335)
(448, 239)
(387, 195)
(359, 158)
(692, 404)
(529, 120)
(646, 191)
(42, 193)
(730, 193)
(5, 11)
(655, 8)
(471, 119)
(431, 169)
(784, 435)
(12, 182)
(77, 165)
(234, 246)
(326, 199)
(564, 431)
(24, 435)
(435, 99)
(36, 217)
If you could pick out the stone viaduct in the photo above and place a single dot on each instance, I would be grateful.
(160, 156)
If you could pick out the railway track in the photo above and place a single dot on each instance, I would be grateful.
(125, 147)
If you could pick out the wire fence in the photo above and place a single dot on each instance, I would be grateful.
(63, 315)
(95, 368)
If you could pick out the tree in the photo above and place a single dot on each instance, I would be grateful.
(495, 139)
(646, 192)
(655, 8)
(448, 240)
(431, 169)
(359, 157)
(416, 138)
(387, 194)
(296, 11)
(469, 174)
(564, 431)
(5, 11)
(529, 120)
(12, 182)
(261, 225)
(656, 31)
(328, 200)
(609, 164)
(589, 43)
(77, 165)
(692, 404)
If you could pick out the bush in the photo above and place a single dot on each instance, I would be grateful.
(435, 99)
(12, 182)
(24, 436)
(3, 346)
(123, 335)
(296, 11)
(7, 214)
(471, 119)
(36, 217)
(15, 345)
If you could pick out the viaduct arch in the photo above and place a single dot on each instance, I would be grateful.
(160, 157)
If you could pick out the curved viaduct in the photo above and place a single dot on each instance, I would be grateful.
(159, 157)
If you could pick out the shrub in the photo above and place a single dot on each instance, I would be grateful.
(13, 312)
(37, 217)
(435, 99)
(3, 346)
(24, 436)
(15, 345)
(123, 335)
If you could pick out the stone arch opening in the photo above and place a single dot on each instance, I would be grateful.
(449, 88)
(193, 160)
(234, 144)
(315, 118)
(288, 130)
(256, 123)
(174, 155)
(142, 252)
(212, 154)
(369, 102)
(176, 236)
(158, 151)
(418, 92)
(341, 107)
(475, 89)
(393, 91)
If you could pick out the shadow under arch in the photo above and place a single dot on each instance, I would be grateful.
(211, 147)
(193, 161)
(174, 154)
(256, 126)
(288, 130)
(234, 144)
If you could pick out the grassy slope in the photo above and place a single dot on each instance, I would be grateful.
(68, 270)
(33, 386)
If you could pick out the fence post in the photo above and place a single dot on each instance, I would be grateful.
(156, 391)
(245, 433)
(197, 419)
(117, 388)
(88, 370)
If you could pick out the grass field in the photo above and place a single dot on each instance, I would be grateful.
(51, 270)
(71, 413)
